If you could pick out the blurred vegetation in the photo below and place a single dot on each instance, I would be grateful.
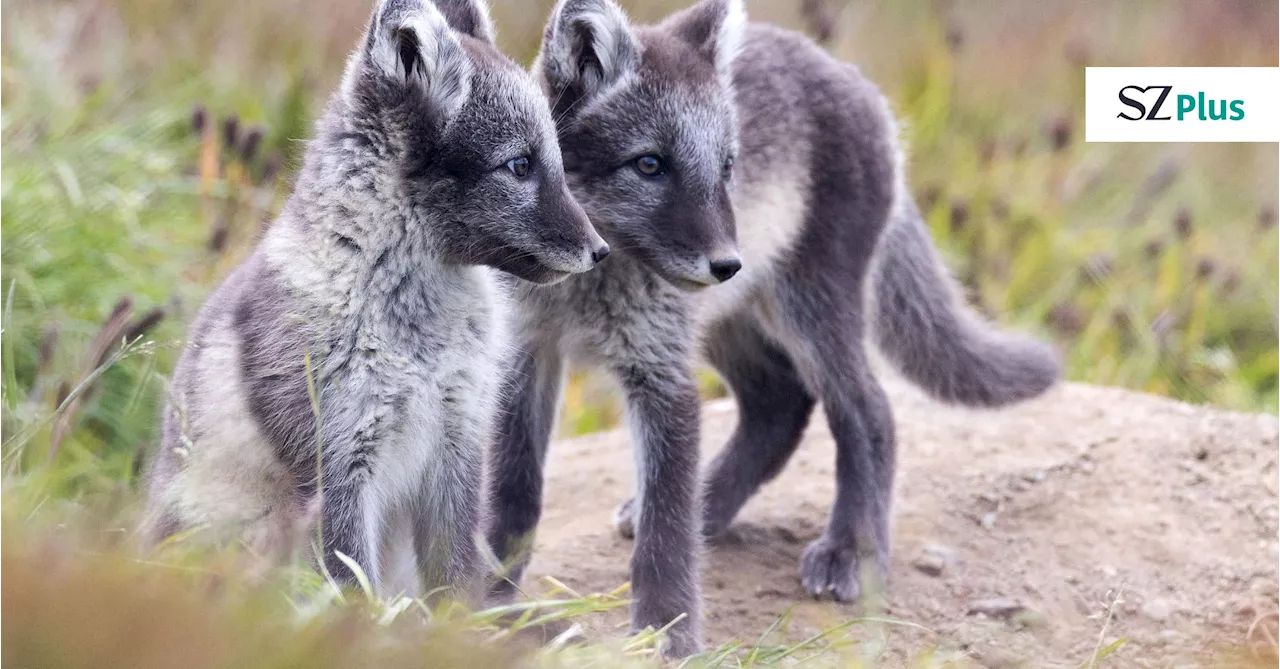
(146, 143)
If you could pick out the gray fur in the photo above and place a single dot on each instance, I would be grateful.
(377, 272)
(943, 348)
(816, 207)
(469, 17)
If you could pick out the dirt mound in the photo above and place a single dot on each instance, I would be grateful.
(1015, 531)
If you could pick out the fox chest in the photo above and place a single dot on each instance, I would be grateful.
(617, 314)
(412, 406)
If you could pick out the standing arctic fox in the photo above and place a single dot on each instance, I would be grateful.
(685, 141)
(435, 161)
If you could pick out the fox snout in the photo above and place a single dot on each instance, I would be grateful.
(570, 244)
(723, 269)
(696, 243)
(716, 267)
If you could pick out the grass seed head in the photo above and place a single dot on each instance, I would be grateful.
(146, 323)
(959, 214)
(987, 151)
(955, 38)
(271, 167)
(250, 143)
(1076, 52)
(199, 119)
(929, 198)
(1182, 223)
(1060, 130)
(1231, 283)
(820, 18)
(1153, 250)
(1205, 269)
(1121, 320)
(1067, 318)
(218, 237)
(1000, 209)
(230, 131)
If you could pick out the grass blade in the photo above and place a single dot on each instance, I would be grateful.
(7, 357)
(361, 577)
(314, 397)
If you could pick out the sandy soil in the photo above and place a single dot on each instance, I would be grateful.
(1014, 532)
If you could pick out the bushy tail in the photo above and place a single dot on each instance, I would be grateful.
(934, 340)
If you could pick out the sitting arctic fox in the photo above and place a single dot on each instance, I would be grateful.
(434, 162)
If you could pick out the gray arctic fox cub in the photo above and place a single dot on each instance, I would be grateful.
(705, 149)
(434, 162)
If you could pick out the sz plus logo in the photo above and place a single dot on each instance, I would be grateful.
(1188, 106)
(1182, 104)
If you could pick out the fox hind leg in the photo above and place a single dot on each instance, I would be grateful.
(773, 409)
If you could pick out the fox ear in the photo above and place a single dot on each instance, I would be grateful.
(410, 42)
(587, 47)
(715, 28)
(469, 17)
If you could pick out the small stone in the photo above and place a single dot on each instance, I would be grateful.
(941, 551)
(988, 520)
(999, 658)
(995, 607)
(786, 535)
(1169, 636)
(1157, 610)
(1264, 588)
(931, 565)
(764, 591)
(1029, 619)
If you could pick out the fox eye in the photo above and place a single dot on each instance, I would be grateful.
(519, 166)
(650, 166)
(728, 167)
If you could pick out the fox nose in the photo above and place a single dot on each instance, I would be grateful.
(723, 269)
(600, 253)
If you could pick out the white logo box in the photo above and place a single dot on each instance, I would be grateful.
(1257, 89)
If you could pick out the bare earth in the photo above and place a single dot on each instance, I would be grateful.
(1036, 516)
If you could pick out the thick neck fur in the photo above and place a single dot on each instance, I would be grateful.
(348, 235)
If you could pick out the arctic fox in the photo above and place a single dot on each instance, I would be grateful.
(706, 149)
(355, 358)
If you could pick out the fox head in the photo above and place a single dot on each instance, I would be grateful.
(648, 130)
(461, 135)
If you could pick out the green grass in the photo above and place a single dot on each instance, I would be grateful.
(1150, 267)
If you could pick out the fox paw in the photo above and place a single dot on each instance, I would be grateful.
(828, 568)
(624, 519)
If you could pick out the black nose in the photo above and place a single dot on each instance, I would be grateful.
(600, 253)
(725, 268)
